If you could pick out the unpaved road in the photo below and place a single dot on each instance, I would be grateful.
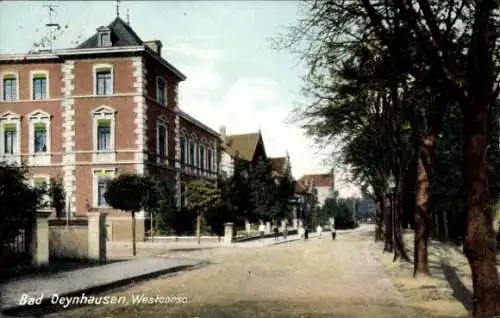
(314, 278)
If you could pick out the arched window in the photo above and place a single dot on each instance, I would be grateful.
(193, 151)
(183, 145)
(202, 162)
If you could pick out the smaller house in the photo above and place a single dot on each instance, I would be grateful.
(248, 147)
(323, 183)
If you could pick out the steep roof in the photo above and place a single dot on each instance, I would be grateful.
(278, 165)
(318, 180)
(121, 34)
(243, 145)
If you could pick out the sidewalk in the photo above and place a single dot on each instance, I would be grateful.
(87, 280)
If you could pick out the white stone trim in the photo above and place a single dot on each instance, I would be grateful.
(104, 155)
(68, 134)
(95, 179)
(44, 158)
(11, 118)
(47, 75)
(140, 110)
(94, 74)
(3, 74)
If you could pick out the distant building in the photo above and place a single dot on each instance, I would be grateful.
(106, 107)
(247, 147)
(323, 183)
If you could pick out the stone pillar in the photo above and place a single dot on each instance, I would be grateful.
(228, 232)
(97, 237)
(268, 227)
(248, 226)
(283, 224)
(40, 239)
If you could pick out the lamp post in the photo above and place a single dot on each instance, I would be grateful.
(392, 187)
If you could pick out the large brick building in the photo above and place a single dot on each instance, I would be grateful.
(88, 113)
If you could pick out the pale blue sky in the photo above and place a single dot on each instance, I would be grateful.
(234, 78)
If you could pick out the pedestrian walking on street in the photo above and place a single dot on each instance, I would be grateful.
(319, 230)
(276, 232)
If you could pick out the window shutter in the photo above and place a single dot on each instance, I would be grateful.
(104, 122)
(40, 126)
(9, 127)
(104, 69)
(104, 173)
(39, 76)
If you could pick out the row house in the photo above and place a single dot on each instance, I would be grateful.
(106, 107)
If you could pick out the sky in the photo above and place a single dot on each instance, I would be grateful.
(234, 77)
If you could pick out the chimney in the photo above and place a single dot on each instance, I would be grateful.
(222, 131)
(155, 45)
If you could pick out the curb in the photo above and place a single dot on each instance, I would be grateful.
(46, 306)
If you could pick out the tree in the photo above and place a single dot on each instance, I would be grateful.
(447, 47)
(262, 189)
(202, 196)
(285, 191)
(18, 203)
(57, 196)
(129, 192)
(239, 192)
(162, 203)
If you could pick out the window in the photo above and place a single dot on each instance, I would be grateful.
(161, 91)
(192, 153)
(102, 184)
(209, 159)
(40, 140)
(202, 156)
(101, 179)
(183, 150)
(162, 140)
(39, 86)
(9, 87)
(10, 138)
(104, 134)
(103, 80)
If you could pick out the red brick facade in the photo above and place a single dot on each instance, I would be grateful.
(71, 113)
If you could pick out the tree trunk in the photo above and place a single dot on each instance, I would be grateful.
(479, 245)
(445, 225)
(134, 247)
(198, 227)
(387, 213)
(378, 221)
(399, 248)
(422, 216)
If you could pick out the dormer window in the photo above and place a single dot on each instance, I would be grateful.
(104, 37)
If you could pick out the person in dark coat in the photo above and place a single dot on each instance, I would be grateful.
(276, 232)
